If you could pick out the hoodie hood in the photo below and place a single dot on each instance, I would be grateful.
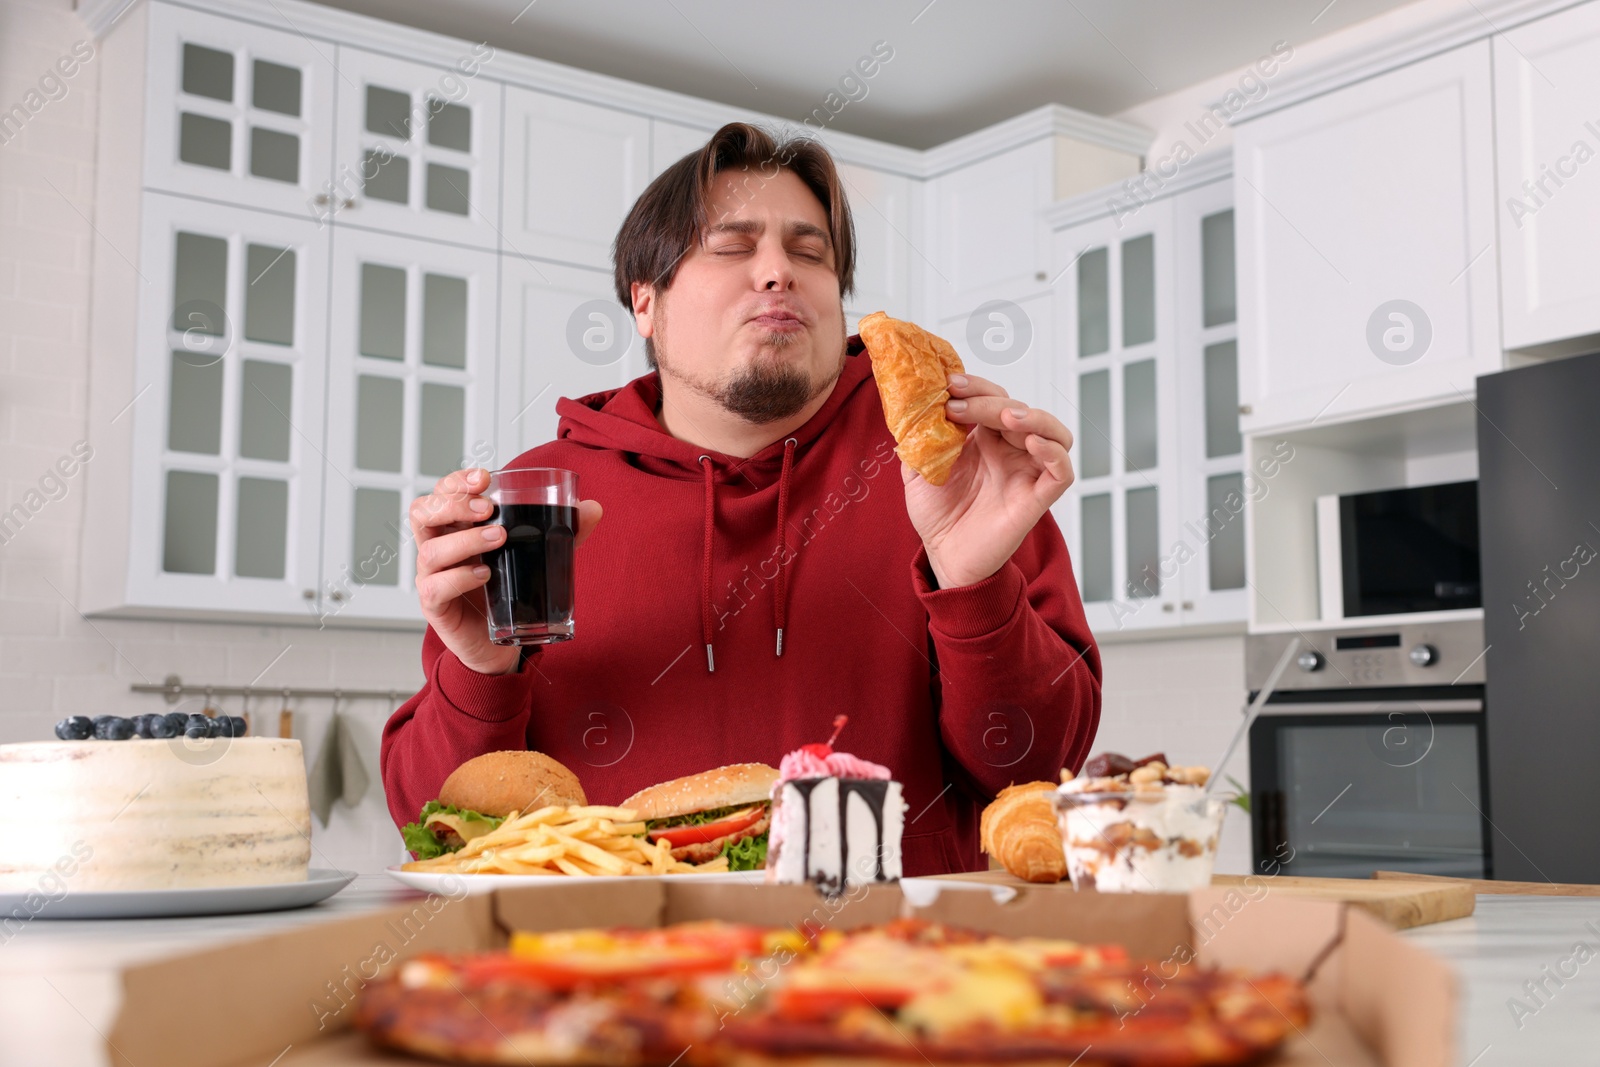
(624, 420)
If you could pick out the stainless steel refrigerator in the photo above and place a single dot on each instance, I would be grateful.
(1539, 528)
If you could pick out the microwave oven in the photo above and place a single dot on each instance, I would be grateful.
(1398, 551)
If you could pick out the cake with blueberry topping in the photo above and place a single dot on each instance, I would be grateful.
(134, 806)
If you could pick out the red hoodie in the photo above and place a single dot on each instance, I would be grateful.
(728, 609)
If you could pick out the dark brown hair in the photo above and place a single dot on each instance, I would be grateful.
(670, 216)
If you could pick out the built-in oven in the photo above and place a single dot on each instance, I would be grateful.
(1369, 754)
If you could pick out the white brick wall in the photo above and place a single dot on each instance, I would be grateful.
(54, 663)
(1183, 697)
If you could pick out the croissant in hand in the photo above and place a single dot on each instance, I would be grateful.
(912, 368)
(1019, 830)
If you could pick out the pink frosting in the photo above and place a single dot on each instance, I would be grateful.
(803, 764)
(844, 765)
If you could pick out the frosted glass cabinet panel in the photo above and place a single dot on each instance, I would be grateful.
(1116, 388)
(1212, 488)
(237, 112)
(411, 389)
(227, 471)
(1148, 382)
(418, 148)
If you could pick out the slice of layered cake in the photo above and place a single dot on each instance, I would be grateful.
(836, 820)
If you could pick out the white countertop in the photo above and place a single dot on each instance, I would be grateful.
(59, 993)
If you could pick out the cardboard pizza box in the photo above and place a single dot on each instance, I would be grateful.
(1379, 1001)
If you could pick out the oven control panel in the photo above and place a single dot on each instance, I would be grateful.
(1443, 653)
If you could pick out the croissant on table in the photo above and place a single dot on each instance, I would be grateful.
(1019, 830)
(912, 368)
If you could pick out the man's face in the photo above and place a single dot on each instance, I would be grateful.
(753, 318)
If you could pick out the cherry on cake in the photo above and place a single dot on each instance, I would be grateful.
(176, 813)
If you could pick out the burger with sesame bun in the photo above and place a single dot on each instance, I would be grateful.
(480, 793)
(726, 811)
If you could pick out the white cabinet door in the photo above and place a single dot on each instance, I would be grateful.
(1115, 387)
(562, 333)
(670, 142)
(1365, 231)
(1547, 82)
(411, 385)
(881, 206)
(986, 238)
(1212, 488)
(236, 112)
(226, 467)
(418, 149)
(572, 172)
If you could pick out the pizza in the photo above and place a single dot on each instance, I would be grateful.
(909, 992)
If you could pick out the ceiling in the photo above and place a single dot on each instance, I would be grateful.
(956, 65)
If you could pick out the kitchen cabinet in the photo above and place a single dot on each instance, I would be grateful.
(573, 170)
(671, 141)
(1547, 79)
(985, 240)
(226, 434)
(411, 388)
(417, 149)
(562, 333)
(236, 112)
(369, 255)
(1146, 380)
(880, 204)
(1366, 228)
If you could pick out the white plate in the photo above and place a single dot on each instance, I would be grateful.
(320, 884)
(450, 885)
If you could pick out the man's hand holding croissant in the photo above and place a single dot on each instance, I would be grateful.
(1014, 466)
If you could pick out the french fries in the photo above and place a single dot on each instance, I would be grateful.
(578, 841)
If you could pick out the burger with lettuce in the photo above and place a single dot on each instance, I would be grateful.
(721, 812)
(481, 792)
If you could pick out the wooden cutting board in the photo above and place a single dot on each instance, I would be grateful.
(1481, 885)
(1401, 904)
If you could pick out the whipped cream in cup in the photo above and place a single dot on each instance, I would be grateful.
(1144, 840)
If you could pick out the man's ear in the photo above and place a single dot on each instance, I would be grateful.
(644, 308)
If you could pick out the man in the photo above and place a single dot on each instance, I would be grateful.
(766, 562)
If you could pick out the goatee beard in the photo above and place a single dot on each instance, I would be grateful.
(765, 391)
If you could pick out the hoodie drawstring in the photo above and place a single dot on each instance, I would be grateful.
(705, 565)
(780, 599)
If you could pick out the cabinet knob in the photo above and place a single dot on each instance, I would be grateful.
(336, 596)
(1246, 409)
(1168, 607)
(348, 204)
(1040, 276)
(321, 200)
(308, 594)
(1188, 605)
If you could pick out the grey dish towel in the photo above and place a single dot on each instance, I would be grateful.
(339, 771)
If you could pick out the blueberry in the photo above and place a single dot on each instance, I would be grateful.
(196, 732)
(178, 721)
(115, 729)
(99, 719)
(162, 726)
(222, 726)
(199, 722)
(75, 728)
(141, 726)
(240, 727)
